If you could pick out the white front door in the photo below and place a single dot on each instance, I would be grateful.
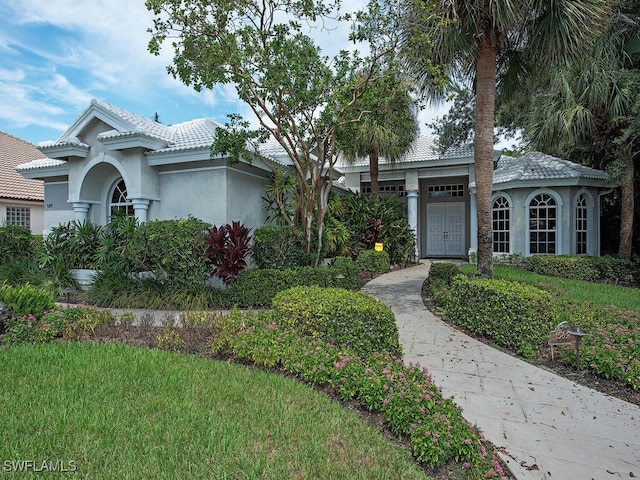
(445, 229)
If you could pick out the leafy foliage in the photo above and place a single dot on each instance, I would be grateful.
(26, 300)
(16, 242)
(227, 248)
(373, 262)
(346, 319)
(370, 221)
(609, 269)
(279, 247)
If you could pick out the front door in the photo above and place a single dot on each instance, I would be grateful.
(445, 229)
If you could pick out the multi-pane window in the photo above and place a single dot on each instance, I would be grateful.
(542, 224)
(501, 225)
(20, 216)
(445, 191)
(119, 201)
(386, 190)
(581, 225)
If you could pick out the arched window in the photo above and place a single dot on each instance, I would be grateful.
(501, 225)
(581, 225)
(119, 201)
(543, 224)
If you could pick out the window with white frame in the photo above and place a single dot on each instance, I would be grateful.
(501, 225)
(20, 216)
(543, 224)
(119, 201)
(581, 225)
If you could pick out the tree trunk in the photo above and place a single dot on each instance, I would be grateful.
(373, 173)
(627, 212)
(483, 151)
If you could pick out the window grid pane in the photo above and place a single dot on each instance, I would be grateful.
(542, 225)
(119, 201)
(581, 226)
(501, 225)
(20, 216)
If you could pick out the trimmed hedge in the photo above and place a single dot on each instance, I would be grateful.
(279, 247)
(352, 320)
(511, 314)
(258, 287)
(604, 269)
(374, 262)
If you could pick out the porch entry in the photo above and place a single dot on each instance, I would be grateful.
(445, 229)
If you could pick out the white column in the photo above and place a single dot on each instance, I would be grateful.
(81, 210)
(141, 208)
(412, 216)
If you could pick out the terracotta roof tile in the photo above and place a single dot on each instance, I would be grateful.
(13, 152)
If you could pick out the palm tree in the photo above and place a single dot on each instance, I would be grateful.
(588, 110)
(384, 124)
(473, 41)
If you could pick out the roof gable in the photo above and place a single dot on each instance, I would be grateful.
(13, 152)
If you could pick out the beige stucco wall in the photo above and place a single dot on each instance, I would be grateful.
(36, 213)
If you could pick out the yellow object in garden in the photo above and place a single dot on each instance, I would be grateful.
(379, 246)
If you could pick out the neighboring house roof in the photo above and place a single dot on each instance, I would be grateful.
(539, 167)
(424, 149)
(13, 152)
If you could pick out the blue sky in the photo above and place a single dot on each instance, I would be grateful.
(56, 55)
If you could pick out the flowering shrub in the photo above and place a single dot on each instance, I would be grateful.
(612, 346)
(410, 402)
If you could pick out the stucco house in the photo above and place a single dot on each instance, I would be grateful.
(21, 199)
(541, 204)
(113, 159)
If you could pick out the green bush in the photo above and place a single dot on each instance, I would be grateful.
(440, 275)
(16, 243)
(172, 249)
(279, 247)
(257, 287)
(579, 268)
(352, 320)
(411, 404)
(617, 270)
(511, 314)
(26, 300)
(373, 261)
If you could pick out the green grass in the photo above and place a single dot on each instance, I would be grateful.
(580, 291)
(126, 413)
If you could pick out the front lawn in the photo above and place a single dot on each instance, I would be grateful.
(113, 411)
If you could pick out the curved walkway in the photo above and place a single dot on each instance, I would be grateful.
(545, 426)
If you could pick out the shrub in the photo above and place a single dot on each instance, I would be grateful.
(513, 315)
(26, 300)
(279, 247)
(258, 287)
(72, 245)
(373, 261)
(172, 249)
(579, 268)
(347, 319)
(440, 274)
(227, 249)
(16, 242)
(411, 404)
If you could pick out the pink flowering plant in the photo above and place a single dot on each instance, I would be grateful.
(411, 404)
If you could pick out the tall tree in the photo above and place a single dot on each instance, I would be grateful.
(385, 124)
(259, 47)
(588, 110)
(472, 41)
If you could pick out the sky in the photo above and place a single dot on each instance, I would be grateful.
(56, 55)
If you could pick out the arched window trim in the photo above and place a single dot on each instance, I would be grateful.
(507, 219)
(558, 232)
(118, 192)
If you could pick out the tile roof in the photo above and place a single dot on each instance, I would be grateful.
(535, 166)
(13, 152)
(424, 149)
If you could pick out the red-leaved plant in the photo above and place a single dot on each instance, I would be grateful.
(227, 247)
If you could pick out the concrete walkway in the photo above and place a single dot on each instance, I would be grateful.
(547, 427)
